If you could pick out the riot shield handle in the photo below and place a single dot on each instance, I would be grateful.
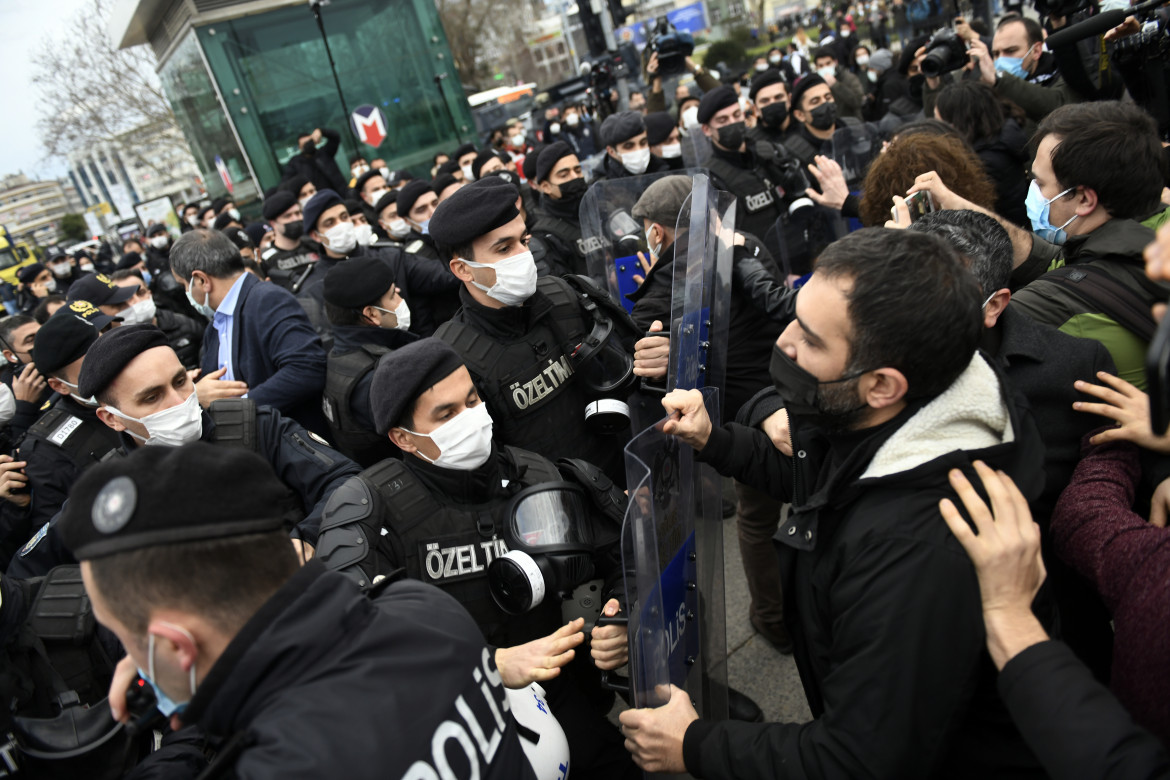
(609, 681)
(652, 385)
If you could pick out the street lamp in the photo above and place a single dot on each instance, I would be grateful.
(315, 5)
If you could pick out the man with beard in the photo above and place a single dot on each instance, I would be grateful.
(886, 396)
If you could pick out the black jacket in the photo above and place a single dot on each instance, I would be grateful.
(1072, 723)
(184, 334)
(882, 601)
(320, 167)
(349, 338)
(325, 682)
(609, 168)
(1005, 159)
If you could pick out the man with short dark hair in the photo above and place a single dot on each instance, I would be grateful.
(557, 226)
(846, 89)
(1097, 175)
(26, 389)
(235, 637)
(886, 394)
(259, 342)
(770, 94)
(1023, 73)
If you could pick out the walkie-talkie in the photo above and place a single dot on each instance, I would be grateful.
(142, 705)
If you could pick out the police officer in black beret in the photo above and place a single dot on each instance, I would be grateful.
(561, 183)
(286, 669)
(370, 318)
(627, 148)
(390, 228)
(68, 437)
(291, 252)
(456, 512)
(144, 397)
(522, 338)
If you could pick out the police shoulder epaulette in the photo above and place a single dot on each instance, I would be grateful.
(414, 246)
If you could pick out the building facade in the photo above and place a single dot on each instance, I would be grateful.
(246, 77)
(32, 210)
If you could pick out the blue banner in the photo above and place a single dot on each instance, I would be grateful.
(690, 18)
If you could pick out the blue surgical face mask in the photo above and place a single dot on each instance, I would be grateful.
(203, 308)
(166, 705)
(1012, 65)
(1037, 207)
(424, 227)
(147, 276)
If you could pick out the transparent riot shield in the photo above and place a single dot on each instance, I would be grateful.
(854, 148)
(701, 296)
(801, 234)
(612, 237)
(673, 573)
(696, 148)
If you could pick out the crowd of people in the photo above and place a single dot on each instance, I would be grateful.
(316, 493)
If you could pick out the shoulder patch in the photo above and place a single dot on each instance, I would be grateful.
(318, 439)
(414, 246)
(33, 542)
(63, 431)
(45, 406)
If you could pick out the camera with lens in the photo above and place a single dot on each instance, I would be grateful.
(945, 51)
(671, 46)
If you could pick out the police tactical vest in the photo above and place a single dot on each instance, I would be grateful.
(757, 194)
(521, 377)
(235, 423)
(341, 378)
(384, 519)
(85, 441)
(568, 233)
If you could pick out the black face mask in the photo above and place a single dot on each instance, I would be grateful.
(572, 191)
(731, 136)
(774, 114)
(824, 116)
(293, 230)
(798, 388)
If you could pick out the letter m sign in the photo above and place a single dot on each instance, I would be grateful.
(369, 123)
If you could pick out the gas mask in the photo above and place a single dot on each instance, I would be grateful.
(607, 369)
(552, 547)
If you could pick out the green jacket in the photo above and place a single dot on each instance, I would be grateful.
(1037, 100)
(1116, 249)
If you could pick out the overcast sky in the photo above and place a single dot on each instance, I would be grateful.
(23, 24)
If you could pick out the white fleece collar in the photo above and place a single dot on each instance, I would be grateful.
(969, 415)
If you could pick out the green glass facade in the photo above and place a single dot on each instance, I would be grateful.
(274, 80)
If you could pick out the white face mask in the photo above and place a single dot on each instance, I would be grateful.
(303, 201)
(341, 238)
(360, 170)
(51, 286)
(401, 315)
(554, 128)
(655, 251)
(467, 174)
(193, 220)
(172, 427)
(234, 214)
(636, 162)
(141, 313)
(826, 72)
(670, 151)
(518, 139)
(761, 67)
(515, 278)
(862, 60)
(464, 441)
(87, 268)
(775, 59)
(159, 242)
(365, 234)
(691, 117)
(60, 269)
(376, 196)
(572, 119)
(398, 228)
(90, 402)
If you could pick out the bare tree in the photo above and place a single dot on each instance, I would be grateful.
(93, 93)
(472, 25)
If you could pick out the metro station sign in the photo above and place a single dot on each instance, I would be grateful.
(369, 124)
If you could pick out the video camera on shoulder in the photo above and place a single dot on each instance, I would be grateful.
(671, 46)
(945, 52)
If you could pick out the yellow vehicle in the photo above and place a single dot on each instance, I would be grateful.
(14, 255)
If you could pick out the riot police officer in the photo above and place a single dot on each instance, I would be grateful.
(145, 398)
(286, 669)
(525, 340)
(459, 512)
(370, 318)
(627, 148)
(390, 228)
(558, 224)
(290, 255)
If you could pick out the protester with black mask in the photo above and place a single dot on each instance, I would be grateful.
(558, 226)
(771, 96)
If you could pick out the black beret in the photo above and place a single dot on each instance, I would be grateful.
(154, 228)
(802, 86)
(406, 373)
(505, 175)
(219, 203)
(296, 184)
(365, 177)
(528, 167)
(278, 203)
(204, 211)
(357, 282)
(549, 157)
(323, 199)
(715, 101)
(67, 335)
(353, 205)
(473, 210)
(112, 351)
(766, 79)
(451, 166)
(411, 193)
(30, 272)
(462, 150)
(481, 160)
(159, 495)
(129, 260)
(99, 290)
(238, 237)
(384, 201)
(621, 126)
(397, 177)
(222, 221)
(442, 182)
(658, 127)
(256, 231)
